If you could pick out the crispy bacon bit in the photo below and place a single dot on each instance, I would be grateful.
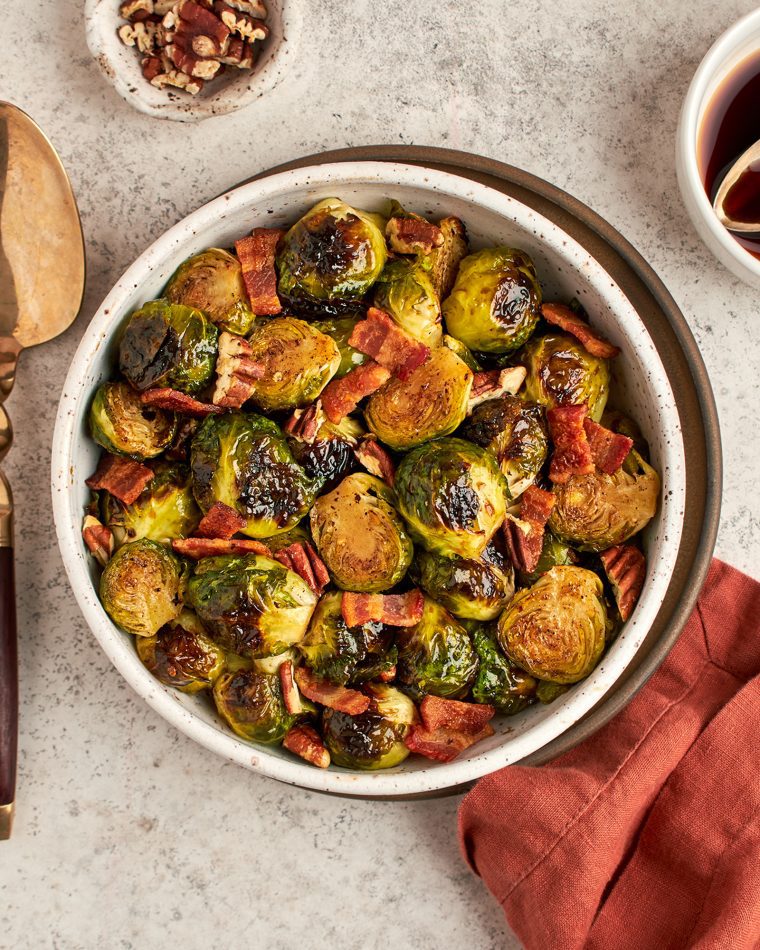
(412, 235)
(304, 740)
(285, 559)
(290, 695)
(304, 560)
(375, 459)
(608, 449)
(121, 477)
(342, 396)
(256, 254)
(495, 383)
(304, 424)
(397, 610)
(563, 317)
(220, 521)
(387, 676)
(626, 568)
(572, 455)
(382, 339)
(442, 744)
(236, 372)
(340, 698)
(98, 538)
(468, 718)
(525, 536)
(197, 548)
(174, 401)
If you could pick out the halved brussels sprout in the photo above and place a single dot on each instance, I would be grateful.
(405, 291)
(431, 403)
(142, 587)
(243, 460)
(556, 629)
(476, 589)
(165, 509)
(496, 300)
(212, 281)
(554, 553)
(298, 363)
(374, 739)
(331, 257)
(251, 704)
(123, 425)
(251, 604)
(515, 432)
(595, 512)
(561, 372)
(340, 329)
(452, 495)
(360, 536)
(463, 352)
(436, 655)
(443, 262)
(168, 344)
(181, 655)
(499, 682)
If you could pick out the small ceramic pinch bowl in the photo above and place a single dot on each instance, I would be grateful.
(566, 270)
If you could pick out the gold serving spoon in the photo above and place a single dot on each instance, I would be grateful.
(41, 287)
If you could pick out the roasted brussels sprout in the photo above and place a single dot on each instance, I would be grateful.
(298, 363)
(452, 495)
(243, 460)
(436, 655)
(375, 738)
(142, 587)
(515, 432)
(360, 536)
(166, 509)
(330, 258)
(251, 704)
(464, 353)
(405, 291)
(181, 655)
(123, 425)
(547, 692)
(340, 329)
(496, 300)
(476, 589)
(443, 262)
(595, 512)
(499, 682)
(212, 281)
(556, 629)
(431, 403)
(561, 372)
(554, 553)
(251, 604)
(168, 344)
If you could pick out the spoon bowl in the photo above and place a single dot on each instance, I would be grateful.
(737, 201)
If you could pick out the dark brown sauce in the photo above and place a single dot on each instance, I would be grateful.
(730, 125)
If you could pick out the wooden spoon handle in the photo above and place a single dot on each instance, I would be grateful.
(8, 691)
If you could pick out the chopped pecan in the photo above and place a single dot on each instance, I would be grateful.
(196, 548)
(525, 536)
(626, 568)
(130, 8)
(175, 401)
(236, 372)
(241, 23)
(98, 538)
(121, 477)
(608, 449)
(256, 255)
(254, 8)
(572, 455)
(412, 235)
(396, 610)
(341, 396)
(239, 54)
(375, 459)
(563, 317)
(303, 740)
(178, 80)
(442, 744)
(290, 695)
(304, 424)
(304, 560)
(220, 521)
(141, 34)
(321, 691)
(382, 339)
(162, 7)
(495, 383)
(468, 718)
(151, 67)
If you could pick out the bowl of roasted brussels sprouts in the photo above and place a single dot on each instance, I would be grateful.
(369, 478)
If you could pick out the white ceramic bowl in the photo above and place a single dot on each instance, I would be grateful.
(120, 65)
(729, 50)
(565, 269)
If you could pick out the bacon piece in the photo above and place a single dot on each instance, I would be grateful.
(525, 536)
(285, 559)
(304, 740)
(442, 744)
(256, 255)
(397, 610)
(236, 372)
(304, 560)
(304, 424)
(174, 401)
(387, 676)
(98, 538)
(495, 383)
(121, 477)
(375, 459)
(382, 339)
(340, 698)
(220, 521)
(342, 396)
(197, 548)
(608, 449)
(291, 698)
(572, 455)
(563, 317)
(467, 718)
(413, 235)
(626, 568)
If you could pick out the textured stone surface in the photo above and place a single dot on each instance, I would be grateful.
(128, 835)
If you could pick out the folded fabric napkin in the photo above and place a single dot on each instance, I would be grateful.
(647, 835)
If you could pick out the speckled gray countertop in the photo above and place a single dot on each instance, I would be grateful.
(127, 834)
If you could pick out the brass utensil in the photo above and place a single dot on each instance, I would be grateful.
(41, 287)
(740, 183)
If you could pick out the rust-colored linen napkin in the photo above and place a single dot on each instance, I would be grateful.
(647, 835)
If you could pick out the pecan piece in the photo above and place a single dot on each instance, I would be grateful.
(236, 372)
(304, 741)
(98, 538)
(131, 8)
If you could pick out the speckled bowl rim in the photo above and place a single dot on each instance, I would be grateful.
(120, 650)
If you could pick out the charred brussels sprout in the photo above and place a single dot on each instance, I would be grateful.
(561, 372)
(595, 512)
(405, 291)
(331, 257)
(374, 739)
(166, 344)
(251, 604)
(212, 281)
(499, 682)
(476, 589)
(243, 460)
(251, 704)
(452, 495)
(123, 425)
(496, 300)
(142, 587)
(360, 536)
(436, 655)
(181, 655)
(166, 509)
(556, 629)
(340, 329)
(431, 403)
